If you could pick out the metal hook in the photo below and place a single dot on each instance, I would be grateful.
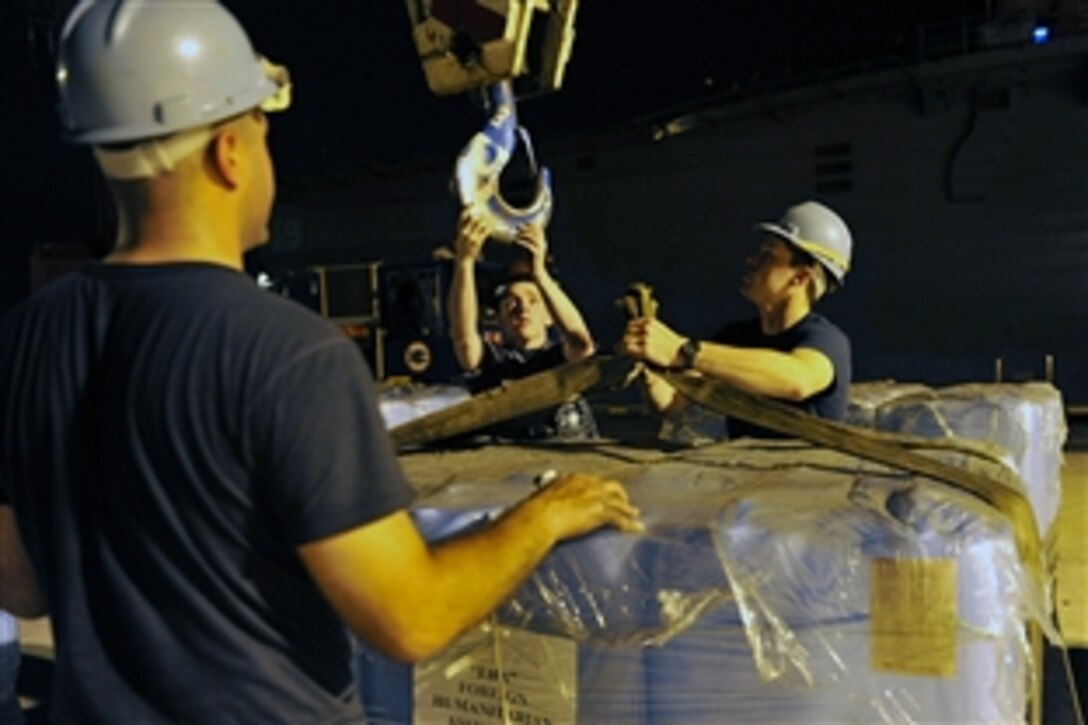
(481, 162)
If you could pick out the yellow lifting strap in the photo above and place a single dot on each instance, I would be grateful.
(553, 387)
(1004, 493)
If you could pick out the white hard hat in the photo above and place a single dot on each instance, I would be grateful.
(815, 229)
(131, 70)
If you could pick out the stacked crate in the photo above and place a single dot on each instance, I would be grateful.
(775, 582)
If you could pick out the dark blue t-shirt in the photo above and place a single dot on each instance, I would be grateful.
(170, 434)
(816, 332)
(572, 419)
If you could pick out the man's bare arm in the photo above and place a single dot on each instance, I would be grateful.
(410, 599)
(794, 375)
(577, 340)
(463, 302)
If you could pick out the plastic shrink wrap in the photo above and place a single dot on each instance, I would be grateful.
(1026, 419)
(774, 583)
(9, 668)
(402, 403)
(866, 399)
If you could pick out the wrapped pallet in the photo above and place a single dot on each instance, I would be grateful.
(1027, 420)
(774, 583)
(866, 399)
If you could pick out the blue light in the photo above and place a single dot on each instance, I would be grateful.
(1040, 34)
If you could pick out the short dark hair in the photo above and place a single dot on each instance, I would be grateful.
(800, 258)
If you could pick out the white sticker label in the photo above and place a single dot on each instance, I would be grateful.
(498, 675)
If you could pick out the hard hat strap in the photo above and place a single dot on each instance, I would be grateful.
(279, 75)
(822, 253)
(152, 158)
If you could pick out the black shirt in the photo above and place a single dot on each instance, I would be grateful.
(572, 419)
(814, 331)
(170, 435)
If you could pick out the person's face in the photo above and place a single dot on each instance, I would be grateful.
(260, 179)
(524, 315)
(770, 274)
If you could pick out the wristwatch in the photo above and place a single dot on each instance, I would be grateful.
(688, 351)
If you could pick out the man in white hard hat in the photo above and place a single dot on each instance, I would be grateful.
(531, 304)
(192, 470)
(788, 351)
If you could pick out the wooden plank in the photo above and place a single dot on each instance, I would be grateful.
(513, 399)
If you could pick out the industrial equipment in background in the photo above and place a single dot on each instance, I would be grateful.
(348, 293)
(394, 312)
(345, 294)
(414, 338)
(415, 333)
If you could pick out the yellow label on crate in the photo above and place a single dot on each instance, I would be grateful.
(913, 608)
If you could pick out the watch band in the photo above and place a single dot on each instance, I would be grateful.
(688, 351)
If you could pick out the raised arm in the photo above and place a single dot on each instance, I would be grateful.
(410, 600)
(577, 339)
(463, 302)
